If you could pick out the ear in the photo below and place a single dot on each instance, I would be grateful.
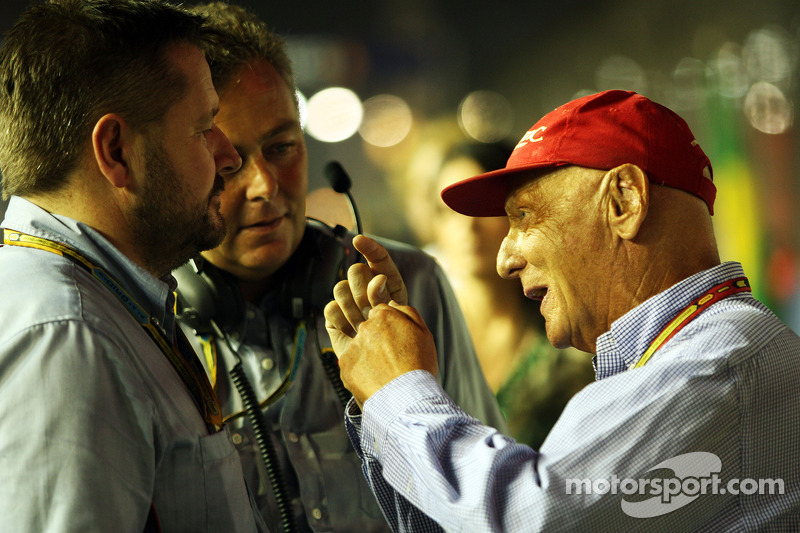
(111, 143)
(628, 200)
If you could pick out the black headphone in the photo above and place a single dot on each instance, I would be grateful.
(305, 283)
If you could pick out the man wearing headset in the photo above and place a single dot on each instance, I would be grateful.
(264, 280)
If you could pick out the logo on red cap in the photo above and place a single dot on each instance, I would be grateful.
(531, 136)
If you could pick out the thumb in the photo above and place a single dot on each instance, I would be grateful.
(406, 310)
(376, 291)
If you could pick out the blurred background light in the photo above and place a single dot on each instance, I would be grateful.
(690, 84)
(486, 116)
(767, 56)
(767, 108)
(620, 72)
(730, 72)
(333, 114)
(387, 120)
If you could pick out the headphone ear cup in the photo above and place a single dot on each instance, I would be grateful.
(206, 293)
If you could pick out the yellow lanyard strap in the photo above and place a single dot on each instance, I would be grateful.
(210, 352)
(187, 366)
(712, 296)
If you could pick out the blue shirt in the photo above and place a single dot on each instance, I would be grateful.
(703, 437)
(95, 424)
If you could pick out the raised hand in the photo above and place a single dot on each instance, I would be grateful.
(375, 334)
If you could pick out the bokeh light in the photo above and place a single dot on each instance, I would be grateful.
(333, 114)
(387, 120)
(486, 116)
(730, 72)
(690, 81)
(767, 108)
(621, 72)
(767, 56)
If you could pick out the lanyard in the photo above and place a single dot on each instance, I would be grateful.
(188, 367)
(210, 353)
(712, 296)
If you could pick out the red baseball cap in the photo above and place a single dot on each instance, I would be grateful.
(600, 131)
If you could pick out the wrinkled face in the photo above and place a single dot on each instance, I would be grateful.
(177, 212)
(557, 248)
(264, 202)
(468, 244)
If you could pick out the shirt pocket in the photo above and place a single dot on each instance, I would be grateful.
(227, 501)
(346, 488)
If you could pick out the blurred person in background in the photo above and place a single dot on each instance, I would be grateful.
(531, 379)
(264, 288)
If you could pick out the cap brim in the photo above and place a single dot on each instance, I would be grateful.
(485, 195)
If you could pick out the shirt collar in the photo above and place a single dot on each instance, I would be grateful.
(630, 335)
(155, 296)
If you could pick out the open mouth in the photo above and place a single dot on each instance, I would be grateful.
(536, 294)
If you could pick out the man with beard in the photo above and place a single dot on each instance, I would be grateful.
(113, 166)
(267, 284)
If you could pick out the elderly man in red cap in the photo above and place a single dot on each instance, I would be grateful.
(692, 423)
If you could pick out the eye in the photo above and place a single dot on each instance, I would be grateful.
(279, 149)
(204, 134)
(516, 214)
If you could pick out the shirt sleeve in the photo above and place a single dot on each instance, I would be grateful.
(76, 447)
(418, 445)
(398, 511)
(460, 373)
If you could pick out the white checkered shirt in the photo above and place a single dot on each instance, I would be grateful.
(714, 411)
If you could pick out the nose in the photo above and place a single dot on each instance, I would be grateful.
(226, 157)
(509, 261)
(262, 182)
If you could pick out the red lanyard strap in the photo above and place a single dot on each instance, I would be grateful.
(709, 298)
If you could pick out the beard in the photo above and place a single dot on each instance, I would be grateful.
(168, 227)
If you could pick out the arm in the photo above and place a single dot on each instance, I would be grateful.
(74, 453)
(418, 446)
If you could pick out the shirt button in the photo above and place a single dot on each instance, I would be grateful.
(236, 438)
(267, 363)
(316, 513)
(293, 437)
(251, 314)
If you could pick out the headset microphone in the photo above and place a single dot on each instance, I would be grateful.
(340, 182)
